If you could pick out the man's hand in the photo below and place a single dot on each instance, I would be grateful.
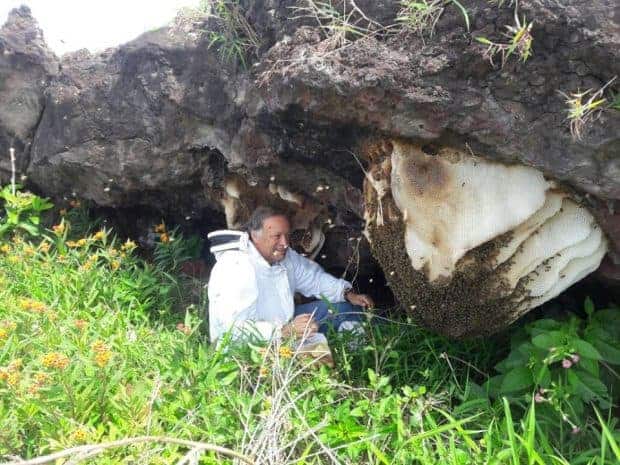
(301, 324)
(362, 300)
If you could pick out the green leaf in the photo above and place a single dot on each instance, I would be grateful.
(609, 436)
(588, 306)
(229, 378)
(517, 379)
(585, 349)
(380, 455)
(548, 340)
(586, 385)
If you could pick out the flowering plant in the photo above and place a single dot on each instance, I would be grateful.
(564, 365)
(23, 210)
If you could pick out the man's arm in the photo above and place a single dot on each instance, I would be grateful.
(312, 280)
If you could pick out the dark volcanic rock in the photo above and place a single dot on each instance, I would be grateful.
(163, 122)
(26, 67)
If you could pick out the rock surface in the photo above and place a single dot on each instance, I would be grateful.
(164, 122)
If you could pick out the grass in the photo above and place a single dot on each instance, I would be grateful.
(102, 358)
(422, 16)
(519, 43)
(234, 37)
(583, 108)
(340, 22)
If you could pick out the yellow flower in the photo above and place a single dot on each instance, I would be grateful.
(99, 235)
(285, 352)
(13, 259)
(74, 203)
(33, 389)
(102, 358)
(32, 305)
(3, 333)
(10, 325)
(99, 346)
(44, 247)
(63, 211)
(5, 248)
(115, 264)
(55, 360)
(13, 379)
(160, 228)
(164, 238)
(81, 324)
(184, 329)
(263, 371)
(81, 242)
(79, 435)
(15, 365)
(4, 374)
(41, 378)
(29, 251)
(113, 252)
(128, 245)
(59, 228)
(72, 244)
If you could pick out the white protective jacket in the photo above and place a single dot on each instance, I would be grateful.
(246, 293)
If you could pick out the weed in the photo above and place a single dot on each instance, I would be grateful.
(520, 42)
(22, 209)
(340, 27)
(580, 113)
(235, 37)
(422, 16)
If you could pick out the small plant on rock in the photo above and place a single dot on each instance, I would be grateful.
(422, 16)
(520, 42)
(341, 27)
(235, 38)
(581, 112)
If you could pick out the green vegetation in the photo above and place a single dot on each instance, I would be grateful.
(519, 44)
(580, 113)
(422, 16)
(234, 37)
(99, 350)
(339, 26)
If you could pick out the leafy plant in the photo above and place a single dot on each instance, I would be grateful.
(422, 16)
(22, 211)
(561, 364)
(172, 248)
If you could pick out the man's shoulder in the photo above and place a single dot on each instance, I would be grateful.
(233, 262)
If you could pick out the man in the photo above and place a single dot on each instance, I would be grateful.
(256, 276)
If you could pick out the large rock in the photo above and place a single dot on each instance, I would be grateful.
(163, 122)
(26, 67)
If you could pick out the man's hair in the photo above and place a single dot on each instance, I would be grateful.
(258, 217)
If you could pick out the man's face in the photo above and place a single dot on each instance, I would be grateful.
(272, 240)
